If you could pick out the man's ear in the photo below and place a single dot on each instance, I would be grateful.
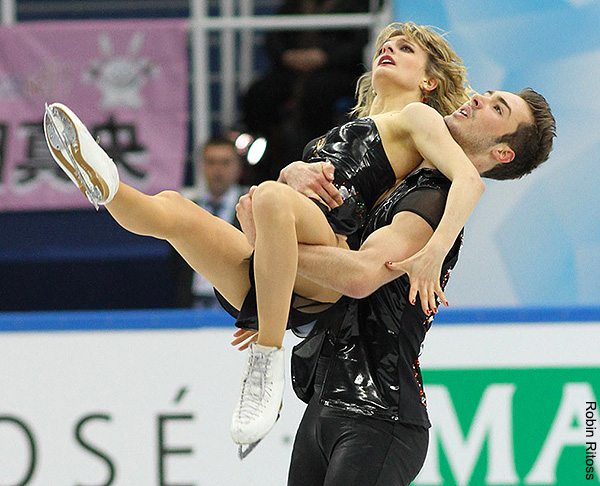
(503, 154)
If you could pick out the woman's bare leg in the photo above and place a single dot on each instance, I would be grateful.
(211, 246)
(283, 218)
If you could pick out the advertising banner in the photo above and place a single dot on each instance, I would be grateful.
(126, 80)
(512, 404)
(521, 426)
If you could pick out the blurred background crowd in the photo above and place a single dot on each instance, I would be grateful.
(300, 84)
(212, 96)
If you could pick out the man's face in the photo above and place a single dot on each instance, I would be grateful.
(479, 123)
(222, 169)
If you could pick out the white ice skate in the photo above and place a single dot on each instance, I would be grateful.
(79, 156)
(258, 407)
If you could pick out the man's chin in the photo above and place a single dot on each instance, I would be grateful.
(452, 125)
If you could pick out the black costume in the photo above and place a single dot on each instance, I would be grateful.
(362, 174)
(359, 371)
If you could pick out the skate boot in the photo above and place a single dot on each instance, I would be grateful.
(260, 398)
(79, 156)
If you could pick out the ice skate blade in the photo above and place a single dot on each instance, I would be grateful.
(245, 449)
(65, 147)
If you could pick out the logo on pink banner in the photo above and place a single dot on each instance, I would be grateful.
(126, 80)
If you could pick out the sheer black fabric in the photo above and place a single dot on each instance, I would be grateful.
(303, 311)
(427, 202)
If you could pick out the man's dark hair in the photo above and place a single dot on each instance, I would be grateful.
(532, 143)
(219, 140)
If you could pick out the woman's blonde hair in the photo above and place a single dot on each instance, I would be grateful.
(443, 64)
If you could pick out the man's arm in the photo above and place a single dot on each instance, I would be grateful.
(356, 273)
(359, 273)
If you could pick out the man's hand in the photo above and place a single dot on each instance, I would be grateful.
(244, 214)
(313, 180)
(423, 270)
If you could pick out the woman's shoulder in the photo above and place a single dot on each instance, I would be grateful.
(411, 113)
(420, 118)
(419, 110)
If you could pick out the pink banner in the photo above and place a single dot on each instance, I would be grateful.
(126, 80)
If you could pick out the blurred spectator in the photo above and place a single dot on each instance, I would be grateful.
(218, 191)
(310, 85)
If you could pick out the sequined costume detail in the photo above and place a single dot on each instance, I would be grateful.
(362, 172)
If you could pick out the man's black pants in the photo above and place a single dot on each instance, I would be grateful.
(339, 448)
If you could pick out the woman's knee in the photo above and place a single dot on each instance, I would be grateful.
(271, 199)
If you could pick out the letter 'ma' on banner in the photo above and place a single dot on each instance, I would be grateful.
(491, 427)
(126, 80)
(510, 426)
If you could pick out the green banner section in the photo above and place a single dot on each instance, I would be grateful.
(512, 427)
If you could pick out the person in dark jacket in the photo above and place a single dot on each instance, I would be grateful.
(310, 83)
(218, 168)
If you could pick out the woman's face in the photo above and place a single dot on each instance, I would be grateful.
(399, 65)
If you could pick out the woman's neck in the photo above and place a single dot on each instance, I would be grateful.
(386, 104)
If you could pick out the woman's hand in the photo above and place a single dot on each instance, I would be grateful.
(423, 270)
(243, 338)
(313, 180)
(244, 215)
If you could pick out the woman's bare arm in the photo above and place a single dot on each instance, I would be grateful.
(432, 140)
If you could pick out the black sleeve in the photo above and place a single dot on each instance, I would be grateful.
(427, 202)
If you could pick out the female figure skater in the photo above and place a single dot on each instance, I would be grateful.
(412, 66)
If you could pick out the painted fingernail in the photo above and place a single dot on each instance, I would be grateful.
(427, 312)
(413, 302)
(435, 310)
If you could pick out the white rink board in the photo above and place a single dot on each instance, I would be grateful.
(119, 386)
(128, 380)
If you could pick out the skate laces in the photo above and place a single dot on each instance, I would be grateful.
(255, 386)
